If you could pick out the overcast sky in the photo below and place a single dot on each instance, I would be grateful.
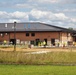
(56, 12)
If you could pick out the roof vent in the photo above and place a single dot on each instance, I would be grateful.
(6, 25)
(28, 25)
(24, 26)
(12, 27)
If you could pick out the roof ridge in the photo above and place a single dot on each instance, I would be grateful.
(54, 26)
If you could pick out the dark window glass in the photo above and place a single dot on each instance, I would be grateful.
(27, 34)
(37, 41)
(32, 34)
(32, 42)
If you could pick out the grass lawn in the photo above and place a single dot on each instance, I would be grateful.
(62, 58)
(37, 70)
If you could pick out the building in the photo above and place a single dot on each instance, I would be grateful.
(74, 36)
(34, 32)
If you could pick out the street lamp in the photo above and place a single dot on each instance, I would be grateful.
(14, 36)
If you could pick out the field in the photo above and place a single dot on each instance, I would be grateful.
(37, 70)
(50, 58)
(35, 56)
(27, 49)
(31, 62)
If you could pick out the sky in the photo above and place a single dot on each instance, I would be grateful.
(54, 12)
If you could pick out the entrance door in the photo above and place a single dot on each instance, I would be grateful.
(13, 41)
(45, 41)
(75, 39)
(53, 42)
(37, 41)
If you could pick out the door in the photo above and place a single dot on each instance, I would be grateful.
(45, 41)
(37, 41)
(13, 41)
(53, 42)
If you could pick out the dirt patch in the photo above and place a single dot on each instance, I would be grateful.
(38, 49)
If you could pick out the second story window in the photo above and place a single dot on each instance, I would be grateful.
(32, 34)
(27, 34)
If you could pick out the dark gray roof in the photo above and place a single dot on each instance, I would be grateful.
(30, 26)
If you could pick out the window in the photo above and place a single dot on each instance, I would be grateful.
(37, 41)
(32, 34)
(32, 42)
(27, 34)
(53, 41)
(2, 35)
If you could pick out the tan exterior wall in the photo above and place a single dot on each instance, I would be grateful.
(65, 38)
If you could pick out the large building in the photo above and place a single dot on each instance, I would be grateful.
(33, 33)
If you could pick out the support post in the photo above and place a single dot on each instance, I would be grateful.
(14, 36)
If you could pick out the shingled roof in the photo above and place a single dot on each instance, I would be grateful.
(30, 26)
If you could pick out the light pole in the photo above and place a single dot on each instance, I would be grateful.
(14, 36)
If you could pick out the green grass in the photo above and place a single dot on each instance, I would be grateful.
(37, 70)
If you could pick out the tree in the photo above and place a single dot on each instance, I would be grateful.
(70, 28)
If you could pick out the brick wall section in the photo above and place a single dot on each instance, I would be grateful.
(23, 37)
(4, 37)
(38, 35)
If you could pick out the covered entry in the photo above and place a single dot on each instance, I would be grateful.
(13, 41)
(37, 41)
(74, 37)
(45, 41)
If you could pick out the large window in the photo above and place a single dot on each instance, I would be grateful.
(27, 34)
(32, 34)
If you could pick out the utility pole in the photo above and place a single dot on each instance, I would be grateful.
(14, 36)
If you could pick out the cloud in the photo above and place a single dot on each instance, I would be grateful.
(52, 18)
(38, 14)
(24, 5)
(61, 16)
(3, 14)
(13, 20)
(16, 14)
(19, 16)
(54, 1)
(45, 1)
(68, 1)
(73, 20)
(67, 10)
(48, 1)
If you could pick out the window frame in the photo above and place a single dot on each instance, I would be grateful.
(27, 34)
(32, 34)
